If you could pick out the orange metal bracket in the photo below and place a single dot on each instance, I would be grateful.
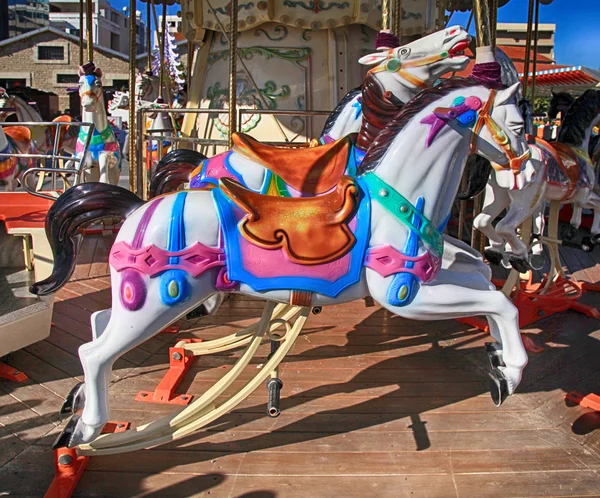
(171, 329)
(590, 401)
(180, 361)
(10, 373)
(68, 467)
(533, 304)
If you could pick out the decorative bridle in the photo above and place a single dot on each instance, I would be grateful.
(469, 112)
(395, 65)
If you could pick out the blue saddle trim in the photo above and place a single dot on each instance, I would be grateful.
(237, 272)
(405, 286)
(174, 286)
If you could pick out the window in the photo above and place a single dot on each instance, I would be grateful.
(51, 53)
(114, 17)
(75, 32)
(67, 79)
(115, 42)
(122, 85)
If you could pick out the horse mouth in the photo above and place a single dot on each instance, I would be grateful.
(458, 50)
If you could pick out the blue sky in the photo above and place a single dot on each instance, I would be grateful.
(577, 40)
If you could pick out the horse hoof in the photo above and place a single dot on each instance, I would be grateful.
(595, 239)
(519, 264)
(74, 400)
(494, 257)
(498, 386)
(66, 438)
(569, 232)
(537, 261)
(587, 245)
(494, 354)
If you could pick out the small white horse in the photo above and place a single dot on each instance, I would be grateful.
(563, 172)
(102, 161)
(374, 235)
(403, 71)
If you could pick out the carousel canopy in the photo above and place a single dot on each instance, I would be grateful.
(567, 78)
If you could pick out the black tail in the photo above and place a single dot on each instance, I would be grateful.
(78, 206)
(478, 172)
(174, 170)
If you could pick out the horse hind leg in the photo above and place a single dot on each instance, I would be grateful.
(117, 331)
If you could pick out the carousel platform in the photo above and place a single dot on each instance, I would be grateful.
(372, 405)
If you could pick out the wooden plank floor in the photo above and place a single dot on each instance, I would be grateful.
(372, 405)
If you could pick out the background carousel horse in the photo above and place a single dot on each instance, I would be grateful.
(374, 235)
(102, 162)
(399, 74)
(564, 173)
(43, 136)
(15, 140)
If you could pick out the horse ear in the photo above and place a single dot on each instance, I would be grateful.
(371, 59)
(80, 71)
(505, 95)
(98, 72)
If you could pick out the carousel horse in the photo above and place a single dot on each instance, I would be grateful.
(403, 71)
(560, 104)
(563, 172)
(102, 161)
(43, 136)
(16, 140)
(377, 234)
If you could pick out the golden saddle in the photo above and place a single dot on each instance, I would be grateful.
(310, 230)
(312, 170)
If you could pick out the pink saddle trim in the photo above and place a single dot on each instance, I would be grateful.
(151, 260)
(387, 261)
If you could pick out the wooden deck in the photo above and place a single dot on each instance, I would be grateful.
(372, 406)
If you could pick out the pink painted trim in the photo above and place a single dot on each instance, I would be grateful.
(387, 261)
(151, 260)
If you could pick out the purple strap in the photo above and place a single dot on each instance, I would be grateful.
(387, 261)
(488, 74)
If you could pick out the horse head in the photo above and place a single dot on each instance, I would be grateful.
(420, 63)
(146, 86)
(560, 103)
(90, 87)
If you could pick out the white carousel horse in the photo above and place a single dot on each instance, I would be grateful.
(374, 235)
(16, 140)
(43, 136)
(102, 161)
(404, 71)
(563, 172)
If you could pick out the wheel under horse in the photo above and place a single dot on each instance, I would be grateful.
(376, 234)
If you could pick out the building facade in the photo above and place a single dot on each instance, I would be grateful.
(515, 35)
(174, 26)
(110, 27)
(48, 60)
(27, 15)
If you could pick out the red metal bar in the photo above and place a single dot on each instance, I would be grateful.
(180, 361)
(9, 373)
(590, 401)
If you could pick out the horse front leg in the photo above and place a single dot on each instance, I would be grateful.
(109, 168)
(496, 200)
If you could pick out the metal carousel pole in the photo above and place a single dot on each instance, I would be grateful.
(535, 49)
(89, 30)
(385, 14)
(528, 47)
(133, 173)
(149, 35)
(81, 31)
(397, 17)
(233, 21)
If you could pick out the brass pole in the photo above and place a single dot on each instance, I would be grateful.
(81, 31)
(481, 12)
(133, 176)
(88, 30)
(163, 36)
(528, 47)
(149, 35)
(385, 14)
(233, 20)
(535, 49)
(160, 50)
(493, 21)
(397, 17)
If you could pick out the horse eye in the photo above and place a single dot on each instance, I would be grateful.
(404, 52)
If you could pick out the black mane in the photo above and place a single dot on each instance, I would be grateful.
(579, 118)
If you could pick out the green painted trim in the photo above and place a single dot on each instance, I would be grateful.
(401, 208)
